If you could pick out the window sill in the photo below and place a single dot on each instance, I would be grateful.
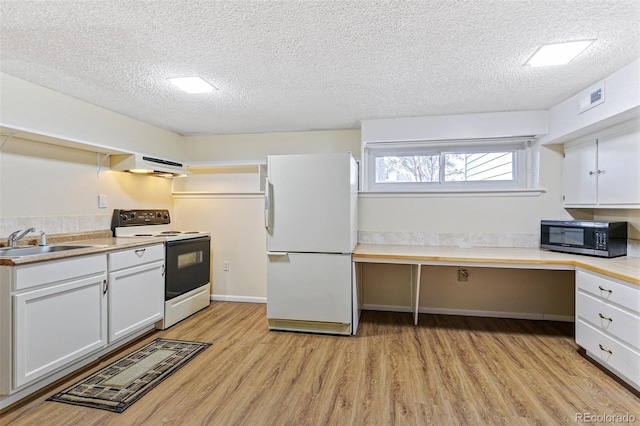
(511, 192)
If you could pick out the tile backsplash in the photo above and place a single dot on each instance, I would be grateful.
(449, 239)
(55, 224)
(88, 223)
(464, 240)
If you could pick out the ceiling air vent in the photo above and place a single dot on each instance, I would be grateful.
(590, 98)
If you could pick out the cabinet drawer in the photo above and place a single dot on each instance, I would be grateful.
(609, 352)
(36, 274)
(615, 291)
(608, 318)
(135, 257)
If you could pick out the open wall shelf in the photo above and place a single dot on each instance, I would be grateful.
(222, 179)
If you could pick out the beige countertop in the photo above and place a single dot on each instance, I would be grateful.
(98, 245)
(624, 268)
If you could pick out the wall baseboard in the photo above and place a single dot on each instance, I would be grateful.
(497, 314)
(386, 308)
(562, 318)
(472, 313)
(243, 299)
(440, 311)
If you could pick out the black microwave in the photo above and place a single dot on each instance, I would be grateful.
(594, 238)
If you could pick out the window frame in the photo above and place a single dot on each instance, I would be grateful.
(522, 167)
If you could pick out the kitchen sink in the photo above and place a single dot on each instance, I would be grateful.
(13, 252)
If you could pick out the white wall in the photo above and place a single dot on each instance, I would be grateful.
(622, 102)
(32, 108)
(256, 146)
(55, 189)
(236, 225)
(460, 126)
(481, 216)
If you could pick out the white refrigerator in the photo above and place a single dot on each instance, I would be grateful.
(311, 218)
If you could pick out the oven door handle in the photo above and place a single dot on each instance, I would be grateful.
(187, 241)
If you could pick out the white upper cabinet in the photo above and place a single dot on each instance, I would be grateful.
(619, 169)
(604, 171)
(580, 182)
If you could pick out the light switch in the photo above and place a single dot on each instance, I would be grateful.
(102, 201)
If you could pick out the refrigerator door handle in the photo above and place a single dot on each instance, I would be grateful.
(277, 253)
(267, 204)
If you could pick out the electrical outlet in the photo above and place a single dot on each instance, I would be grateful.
(102, 201)
(463, 275)
(225, 266)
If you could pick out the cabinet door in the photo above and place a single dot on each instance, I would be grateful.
(57, 325)
(619, 168)
(136, 299)
(579, 175)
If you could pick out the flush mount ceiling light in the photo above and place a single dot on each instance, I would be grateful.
(192, 84)
(557, 53)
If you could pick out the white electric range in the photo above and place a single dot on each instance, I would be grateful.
(187, 259)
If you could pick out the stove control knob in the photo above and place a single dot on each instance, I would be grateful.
(124, 217)
(166, 216)
(158, 214)
(132, 215)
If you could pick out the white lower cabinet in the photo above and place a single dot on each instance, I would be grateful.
(608, 323)
(58, 317)
(136, 290)
(57, 325)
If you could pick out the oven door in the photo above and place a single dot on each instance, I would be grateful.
(188, 265)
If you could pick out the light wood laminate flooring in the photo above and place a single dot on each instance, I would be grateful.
(448, 370)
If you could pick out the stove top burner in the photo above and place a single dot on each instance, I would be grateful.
(150, 224)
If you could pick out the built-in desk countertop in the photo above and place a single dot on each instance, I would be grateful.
(623, 268)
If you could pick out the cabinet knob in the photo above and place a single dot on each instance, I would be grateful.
(600, 172)
(591, 173)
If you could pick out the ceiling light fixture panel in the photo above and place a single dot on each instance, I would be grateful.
(192, 84)
(557, 53)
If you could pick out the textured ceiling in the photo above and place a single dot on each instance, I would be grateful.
(300, 65)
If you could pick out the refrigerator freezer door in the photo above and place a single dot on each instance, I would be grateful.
(309, 287)
(311, 206)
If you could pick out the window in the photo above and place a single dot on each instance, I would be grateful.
(443, 166)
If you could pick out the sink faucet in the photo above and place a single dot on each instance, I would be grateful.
(14, 237)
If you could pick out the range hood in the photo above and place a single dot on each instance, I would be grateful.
(136, 163)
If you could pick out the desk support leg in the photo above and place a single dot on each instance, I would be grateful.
(416, 293)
